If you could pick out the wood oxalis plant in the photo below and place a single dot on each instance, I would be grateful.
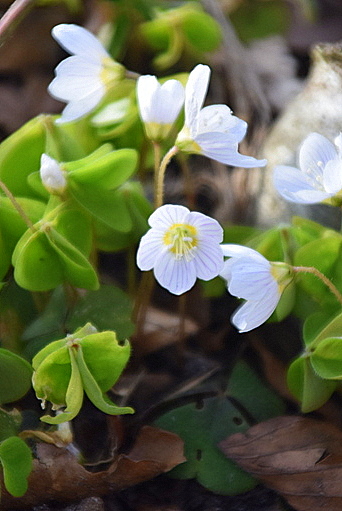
(71, 188)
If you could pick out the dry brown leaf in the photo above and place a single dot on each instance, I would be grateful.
(58, 476)
(301, 458)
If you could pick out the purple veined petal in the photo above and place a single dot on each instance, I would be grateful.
(77, 109)
(208, 261)
(234, 250)
(251, 280)
(332, 176)
(295, 186)
(195, 92)
(75, 79)
(226, 272)
(219, 118)
(167, 215)
(176, 275)
(150, 246)
(252, 314)
(220, 147)
(147, 86)
(77, 40)
(207, 227)
(314, 154)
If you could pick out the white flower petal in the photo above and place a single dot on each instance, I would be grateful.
(76, 79)
(169, 101)
(167, 215)
(78, 41)
(233, 250)
(295, 186)
(219, 118)
(219, 147)
(147, 85)
(206, 226)
(149, 249)
(51, 174)
(251, 279)
(77, 109)
(208, 261)
(315, 153)
(252, 314)
(195, 92)
(332, 176)
(176, 275)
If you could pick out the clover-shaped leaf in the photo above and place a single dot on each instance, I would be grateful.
(16, 461)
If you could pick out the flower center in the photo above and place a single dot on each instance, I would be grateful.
(181, 240)
(111, 72)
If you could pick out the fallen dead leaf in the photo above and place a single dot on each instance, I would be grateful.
(301, 458)
(58, 476)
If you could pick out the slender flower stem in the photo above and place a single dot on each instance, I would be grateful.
(157, 158)
(322, 277)
(12, 17)
(159, 184)
(17, 206)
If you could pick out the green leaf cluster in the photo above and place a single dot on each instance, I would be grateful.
(87, 361)
(206, 421)
(184, 29)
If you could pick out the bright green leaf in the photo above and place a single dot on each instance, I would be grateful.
(16, 461)
(16, 375)
(311, 390)
(326, 359)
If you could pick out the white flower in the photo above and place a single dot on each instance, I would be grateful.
(213, 130)
(52, 174)
(159, 105)
(319, 176)
(82, 79)
(181, 246)
(252, 277)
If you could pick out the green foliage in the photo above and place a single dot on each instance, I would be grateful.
(16, 461)
(206, 421)
(184, 29)
(15, 376)
(87, 361)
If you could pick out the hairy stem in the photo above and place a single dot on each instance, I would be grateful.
(322, 277)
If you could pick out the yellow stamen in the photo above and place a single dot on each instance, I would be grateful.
(181, 240)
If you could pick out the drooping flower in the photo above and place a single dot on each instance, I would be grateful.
(319, 176)
(52, 174)
(180, 247)
(159, 105)
(251, 276)
(82, 79)
(213, 130)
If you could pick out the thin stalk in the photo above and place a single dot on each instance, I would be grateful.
(17, 206)
(159, 180)
(12, 17)
(322, 277)
(157, 158)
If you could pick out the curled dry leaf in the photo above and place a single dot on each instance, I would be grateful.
(58, 476)
(301, 458)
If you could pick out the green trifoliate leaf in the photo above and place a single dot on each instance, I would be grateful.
(73, 395)
(309, 388)
(108, 308)
(87, 361)
(94, 391)
(326, 358)
(106, 172)
(20, 156)
(15, 378)
(16, 461)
